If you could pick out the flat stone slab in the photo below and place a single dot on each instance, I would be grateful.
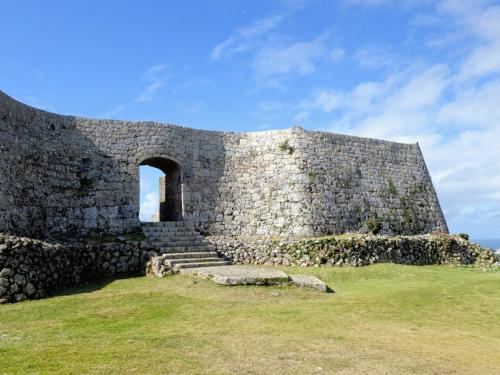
(253, 275)
(239, 275)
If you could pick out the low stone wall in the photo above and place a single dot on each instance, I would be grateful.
(32, 269)
(353, 250)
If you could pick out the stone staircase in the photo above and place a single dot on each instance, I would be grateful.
(180, 246)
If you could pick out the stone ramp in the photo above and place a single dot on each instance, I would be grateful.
(179, 246)
(252, 275)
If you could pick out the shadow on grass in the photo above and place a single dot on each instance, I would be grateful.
(90, 286)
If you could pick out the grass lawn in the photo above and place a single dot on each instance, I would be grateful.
(383, 319)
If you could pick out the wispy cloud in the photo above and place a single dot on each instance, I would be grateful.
(276, 60)
(154, 77)
(195, 107)
(337, 54)
(245, 38)
(375, 57)
(274, 55)
(281, 59)
(404, 4)
(113, 112)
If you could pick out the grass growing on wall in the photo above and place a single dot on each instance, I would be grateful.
(383, 319)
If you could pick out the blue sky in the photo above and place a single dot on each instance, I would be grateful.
(414, 70)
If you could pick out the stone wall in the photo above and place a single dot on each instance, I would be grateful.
(67, 176)
(32, 269)
(353, 250)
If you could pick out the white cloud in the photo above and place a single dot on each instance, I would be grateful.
(336, 54)
(149, 207)
(245, 38)
(276, 56)
(404, 4)
(327, 100)
(270, 106)
(148, 93)
(480, 20)
(267, 111)
(151, 73)
(196, 107)
(113, 112)
(154, 77)
(301, 116)
(276, 60)
(473, 107)
(374, 57)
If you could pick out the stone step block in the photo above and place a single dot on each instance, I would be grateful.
(194, 255)
(168, 230)
(207, 264)
(176, 262)
(160, 224)
(183, 245)
(176, 239)
(190, 248)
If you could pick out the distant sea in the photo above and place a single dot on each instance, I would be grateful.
(492, 243)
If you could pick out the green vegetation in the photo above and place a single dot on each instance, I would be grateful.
(465, 236)
(285, 146)
(313, 175)
(383, 319)
(391, 188)
(373, 225)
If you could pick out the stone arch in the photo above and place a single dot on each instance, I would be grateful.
(170, 205)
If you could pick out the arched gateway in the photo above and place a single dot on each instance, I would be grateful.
(170, 188)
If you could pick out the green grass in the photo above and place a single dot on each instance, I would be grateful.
(383, 319)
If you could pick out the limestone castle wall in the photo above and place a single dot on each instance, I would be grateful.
(73, 176)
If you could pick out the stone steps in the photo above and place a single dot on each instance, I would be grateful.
(180, 246)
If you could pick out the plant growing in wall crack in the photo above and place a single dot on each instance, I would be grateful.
(373, 225)
(285, 146)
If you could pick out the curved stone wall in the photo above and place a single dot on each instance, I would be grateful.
(63, 175)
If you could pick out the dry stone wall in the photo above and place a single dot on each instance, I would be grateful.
(67, 176)
(354, 250)
(32, 269)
